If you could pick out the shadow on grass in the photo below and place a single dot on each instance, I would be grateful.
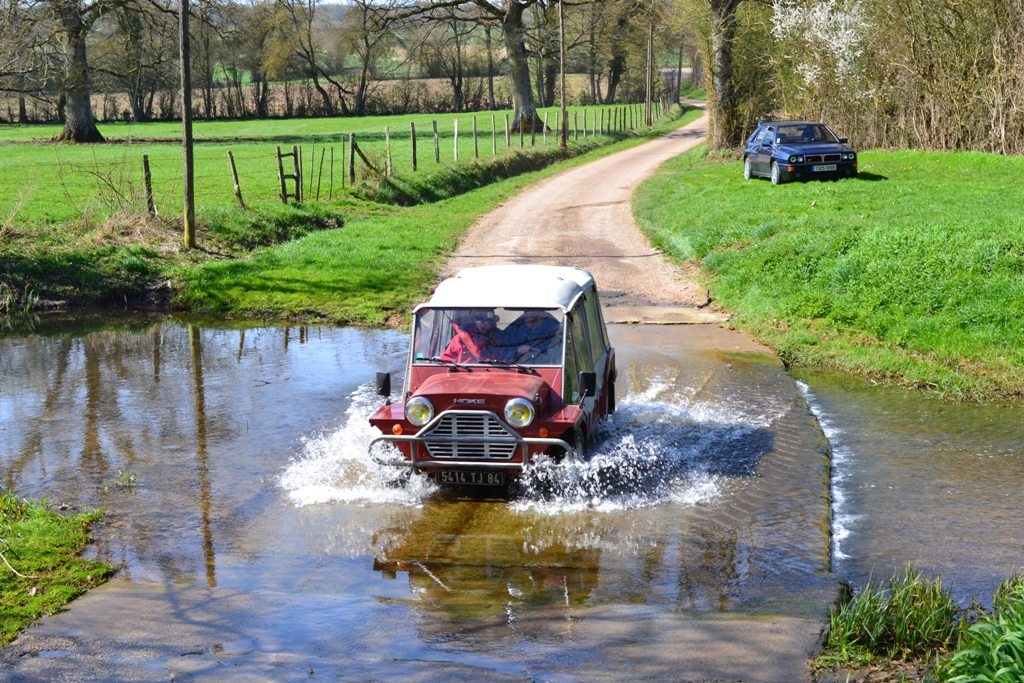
(871, 177)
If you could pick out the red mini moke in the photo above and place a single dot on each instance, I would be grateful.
(508, 363)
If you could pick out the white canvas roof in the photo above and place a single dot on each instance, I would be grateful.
(512, 286)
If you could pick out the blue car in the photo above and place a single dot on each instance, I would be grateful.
(797, 150)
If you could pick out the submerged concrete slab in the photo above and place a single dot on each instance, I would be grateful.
(662, 315)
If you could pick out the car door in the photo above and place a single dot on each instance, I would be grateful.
(763, 159)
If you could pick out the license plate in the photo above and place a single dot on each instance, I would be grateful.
(826, 167)
(471, 478)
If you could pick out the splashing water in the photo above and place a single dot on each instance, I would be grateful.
(655, 449)
(336, 467)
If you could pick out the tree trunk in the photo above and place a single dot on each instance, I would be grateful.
(79, 122)
(550, 76)
(725, 131)
(615, 69)
(490, 70)
(515, 41)
(22, 110)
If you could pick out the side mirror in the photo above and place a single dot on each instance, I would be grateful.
(384, 384)
(844, 140)
(588, 384)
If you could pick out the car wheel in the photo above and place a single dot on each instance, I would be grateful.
(579, 447)
(776, 174)
(748, 172)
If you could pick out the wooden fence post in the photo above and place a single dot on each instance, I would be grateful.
(476, 146)
(387, 146)
(455, 154)
(280, 176)
(602, 122)
(312, 169)
(297, 151)
(234, 179)
(351, 159)
(320, 174)
(508, 134)
(412, 136)
(533, 130)
(575, 125)
(544, 130)
(330, 191)
(150, 206)
(437, 147)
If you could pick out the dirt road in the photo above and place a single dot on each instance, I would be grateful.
(583, 218)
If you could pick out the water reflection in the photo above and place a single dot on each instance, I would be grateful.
(202, 417)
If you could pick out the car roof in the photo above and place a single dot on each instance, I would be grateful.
(790, 123)
(512, 286)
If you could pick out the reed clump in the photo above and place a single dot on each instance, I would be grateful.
(907, 616)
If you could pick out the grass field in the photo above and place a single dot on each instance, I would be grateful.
(372, 271)
(63, 246)
(913, 272)
(48, 183)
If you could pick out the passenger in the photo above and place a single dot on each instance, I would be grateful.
(474, 338)
(534, 337)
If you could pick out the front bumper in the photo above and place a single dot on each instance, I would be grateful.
(790, 171)
(419, 457)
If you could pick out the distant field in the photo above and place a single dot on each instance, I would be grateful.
(46, 183)
(912, 272)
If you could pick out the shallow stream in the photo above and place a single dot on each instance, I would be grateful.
(235, 459)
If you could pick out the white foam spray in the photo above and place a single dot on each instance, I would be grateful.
(658, 448)
(842, 519)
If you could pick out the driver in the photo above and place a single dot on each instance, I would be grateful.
(474, 338)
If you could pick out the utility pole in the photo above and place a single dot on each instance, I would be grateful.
(186, 126)
(564, 141)
(650, 76)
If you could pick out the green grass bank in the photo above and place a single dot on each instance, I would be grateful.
(912, 273)
(359, 258)
(909, 628)
(41, 568)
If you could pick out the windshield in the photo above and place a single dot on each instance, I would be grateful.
(488, 336)
(805, 132)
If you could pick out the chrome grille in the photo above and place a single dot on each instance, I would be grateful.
(447, 439)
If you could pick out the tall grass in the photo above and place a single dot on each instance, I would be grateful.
(908, 616)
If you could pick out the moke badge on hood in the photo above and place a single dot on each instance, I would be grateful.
(472, 401)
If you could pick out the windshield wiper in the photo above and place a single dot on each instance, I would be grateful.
(448, 363)
(506, 363)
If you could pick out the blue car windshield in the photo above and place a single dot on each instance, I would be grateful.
(804, 132)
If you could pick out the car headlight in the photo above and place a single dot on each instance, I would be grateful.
(792, 160)
(519, 412)
(419, 411)
(799, 160)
